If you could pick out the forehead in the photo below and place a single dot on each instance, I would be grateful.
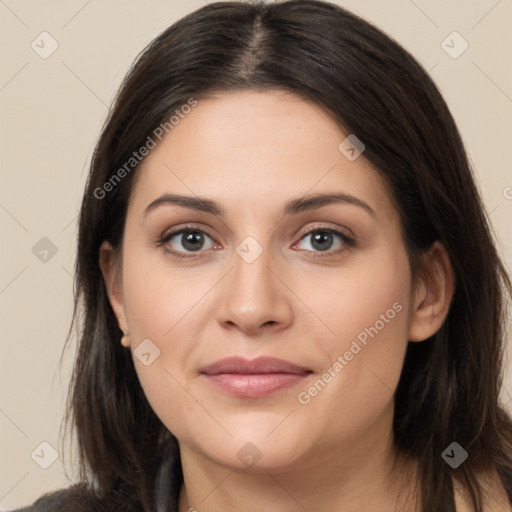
(255, 150)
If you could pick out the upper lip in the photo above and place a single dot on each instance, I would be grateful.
(259, 365)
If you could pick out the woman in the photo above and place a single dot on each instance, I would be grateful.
(292, 300)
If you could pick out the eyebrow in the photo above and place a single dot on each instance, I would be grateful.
(295, 206)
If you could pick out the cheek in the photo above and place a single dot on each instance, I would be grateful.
(159, 298)
(163, 306)
(366, 301)
(367, 309)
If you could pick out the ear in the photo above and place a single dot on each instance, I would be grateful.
(432, 295)
(110, 268)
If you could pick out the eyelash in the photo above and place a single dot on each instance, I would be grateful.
(347, 241)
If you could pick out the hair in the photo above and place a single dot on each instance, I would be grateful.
(373, 88)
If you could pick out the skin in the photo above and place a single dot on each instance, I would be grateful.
(252, 152)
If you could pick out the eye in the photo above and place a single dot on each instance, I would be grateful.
(324, 239)
(185, 240)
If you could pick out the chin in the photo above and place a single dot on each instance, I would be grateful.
(259, 454)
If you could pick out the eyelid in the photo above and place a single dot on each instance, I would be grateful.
(348, 241)
(185, 227)
(327, 227)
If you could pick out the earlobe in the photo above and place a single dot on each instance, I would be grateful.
(125, 340)
(112, 276)
(433, 294)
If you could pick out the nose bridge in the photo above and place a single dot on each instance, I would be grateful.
(252, 275)
(252, 266)
(254, 296)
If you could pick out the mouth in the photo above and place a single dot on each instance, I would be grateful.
(243, 378)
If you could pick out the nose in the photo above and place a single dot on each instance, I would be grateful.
(254, 297)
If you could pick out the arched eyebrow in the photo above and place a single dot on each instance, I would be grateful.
(294, 206)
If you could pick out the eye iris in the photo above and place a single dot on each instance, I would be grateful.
(319, 238)
(192, 240)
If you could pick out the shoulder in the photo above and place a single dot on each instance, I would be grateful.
(495, 496)
(77, 498)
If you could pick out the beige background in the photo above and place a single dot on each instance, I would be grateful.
(51, 114)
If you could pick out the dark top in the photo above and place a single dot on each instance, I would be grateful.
(165, 497)
(79, 499)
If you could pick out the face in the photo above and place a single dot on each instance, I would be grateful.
(264, 269)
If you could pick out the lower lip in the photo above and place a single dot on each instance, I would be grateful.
(253, 385)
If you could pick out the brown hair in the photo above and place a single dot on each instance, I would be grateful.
(449, 387)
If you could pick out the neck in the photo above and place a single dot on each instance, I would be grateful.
(365, 475)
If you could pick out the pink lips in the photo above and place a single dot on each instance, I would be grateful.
(254, 378)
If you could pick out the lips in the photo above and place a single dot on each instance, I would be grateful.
(251, 367)
(254, 378)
